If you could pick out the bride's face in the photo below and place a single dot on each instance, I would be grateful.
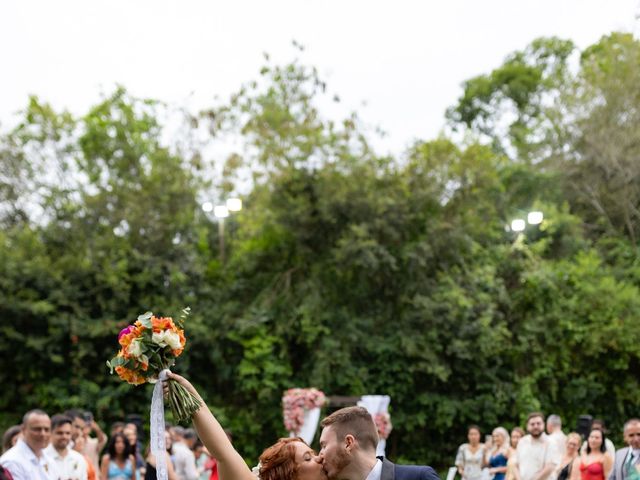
(309, 465)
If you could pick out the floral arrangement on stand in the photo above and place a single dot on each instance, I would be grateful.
(383, 424)
(294, 403)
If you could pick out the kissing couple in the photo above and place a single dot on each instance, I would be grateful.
(347, 450)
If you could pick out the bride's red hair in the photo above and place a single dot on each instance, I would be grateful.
(278, 462)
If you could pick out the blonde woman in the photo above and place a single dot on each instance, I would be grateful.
(563, 471)
(499, 455)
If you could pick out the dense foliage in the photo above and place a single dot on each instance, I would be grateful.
(346, 271)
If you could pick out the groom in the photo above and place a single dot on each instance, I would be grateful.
(348, 450)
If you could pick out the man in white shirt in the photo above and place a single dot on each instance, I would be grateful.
(70, 465)
(184, 460)
(536, 456)
(556, 436)
(27, 460)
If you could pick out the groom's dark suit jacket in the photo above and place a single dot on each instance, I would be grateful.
(391, 471)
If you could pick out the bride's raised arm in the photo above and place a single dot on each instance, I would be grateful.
(230, 463)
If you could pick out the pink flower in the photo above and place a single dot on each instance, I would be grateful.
(295, 402)
(383, 424)
(124, 331)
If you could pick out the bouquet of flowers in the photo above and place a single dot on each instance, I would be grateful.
(383, 424)
(294, 403)
(149, 346)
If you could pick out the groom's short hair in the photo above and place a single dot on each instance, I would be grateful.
(355, 421)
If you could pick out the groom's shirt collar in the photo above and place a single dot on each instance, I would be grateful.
(376, 471)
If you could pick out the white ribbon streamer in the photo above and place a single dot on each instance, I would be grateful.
(158, 447)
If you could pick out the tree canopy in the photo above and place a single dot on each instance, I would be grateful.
(348, 271)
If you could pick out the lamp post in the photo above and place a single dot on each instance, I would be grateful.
(221, 212)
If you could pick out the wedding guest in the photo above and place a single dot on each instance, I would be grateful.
(598, 424)
(10, 437)
(555, 433)
(594, 463)
(470, 457)
(516, 434)
(150, 470)
(26, 460)
(536, 456)
(118, 462)
(202, 459)
(499, 453)
(116, 427)
(571, 451)
(627, 460)
(93, 445)
(185, 460)
(130, 431)
(70, 465)
(92, 472)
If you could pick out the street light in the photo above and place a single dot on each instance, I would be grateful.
(518, 225)
(221, 212)
(234, 204)
(535, 218)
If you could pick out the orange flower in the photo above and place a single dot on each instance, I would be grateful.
(130, 376)
(162, 323)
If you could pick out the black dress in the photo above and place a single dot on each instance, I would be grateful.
(565, 473)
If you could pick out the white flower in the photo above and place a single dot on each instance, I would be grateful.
(135, 348)
(167, 338)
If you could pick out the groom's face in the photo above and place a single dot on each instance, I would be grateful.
(333, 453)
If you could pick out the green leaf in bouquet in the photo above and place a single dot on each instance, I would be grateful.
(115, 362)
(145, 319)
(183, 316)
(156, 360)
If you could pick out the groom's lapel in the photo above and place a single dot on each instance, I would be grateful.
(388, 470)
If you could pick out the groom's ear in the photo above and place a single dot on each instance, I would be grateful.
(349, 442)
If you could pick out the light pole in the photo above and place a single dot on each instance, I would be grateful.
(221, 212)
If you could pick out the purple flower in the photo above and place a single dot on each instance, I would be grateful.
(124, 331)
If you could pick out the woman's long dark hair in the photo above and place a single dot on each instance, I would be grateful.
(603, 447)
(111, 447)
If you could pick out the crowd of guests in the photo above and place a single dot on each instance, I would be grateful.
(554, 455)
(72, 446)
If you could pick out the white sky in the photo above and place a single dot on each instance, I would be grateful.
(405, 59)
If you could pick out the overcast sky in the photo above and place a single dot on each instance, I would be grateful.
(405, 59)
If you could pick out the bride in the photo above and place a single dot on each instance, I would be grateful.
(287, 459)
